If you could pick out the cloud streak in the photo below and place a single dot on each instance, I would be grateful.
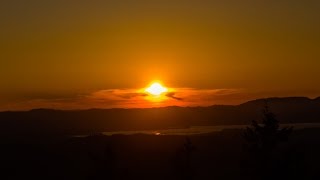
(173, 96)
(133, 98)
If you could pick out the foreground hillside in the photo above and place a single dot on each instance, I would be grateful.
(212, 156)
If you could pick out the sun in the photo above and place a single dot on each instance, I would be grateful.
(156, 89)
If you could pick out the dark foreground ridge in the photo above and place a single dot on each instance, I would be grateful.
(200, 157)
(47, 121)
(37, 144)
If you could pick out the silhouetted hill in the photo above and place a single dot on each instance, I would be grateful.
(317, 99)
(47, 121)
(279, 100)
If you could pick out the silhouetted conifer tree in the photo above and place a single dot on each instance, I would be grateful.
(184, 160)
(261, 141)
(264, 137)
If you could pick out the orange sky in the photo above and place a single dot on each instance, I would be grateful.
(66, 54)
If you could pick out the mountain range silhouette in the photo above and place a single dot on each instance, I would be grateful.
(70, 122)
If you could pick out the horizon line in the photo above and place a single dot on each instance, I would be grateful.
(88, 109)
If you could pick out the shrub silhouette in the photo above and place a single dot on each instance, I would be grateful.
(104, 163)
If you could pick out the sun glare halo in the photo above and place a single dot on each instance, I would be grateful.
(156, 89)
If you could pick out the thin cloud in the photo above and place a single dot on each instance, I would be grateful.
(173, 96)
(134, 98)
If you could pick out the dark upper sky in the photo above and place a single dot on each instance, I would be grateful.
(59, 48)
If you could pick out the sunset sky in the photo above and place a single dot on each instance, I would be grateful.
(81, 54)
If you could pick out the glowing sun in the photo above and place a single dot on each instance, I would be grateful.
(156, 89)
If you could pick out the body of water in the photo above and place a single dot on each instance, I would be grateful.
(201, 129)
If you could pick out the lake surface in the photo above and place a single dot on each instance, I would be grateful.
(202, 129)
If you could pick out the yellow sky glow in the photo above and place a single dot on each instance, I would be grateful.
(101, 54)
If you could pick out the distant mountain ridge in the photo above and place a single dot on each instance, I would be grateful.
(283, 99)
(288, 110)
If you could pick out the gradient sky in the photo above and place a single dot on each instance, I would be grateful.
(60, 53)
